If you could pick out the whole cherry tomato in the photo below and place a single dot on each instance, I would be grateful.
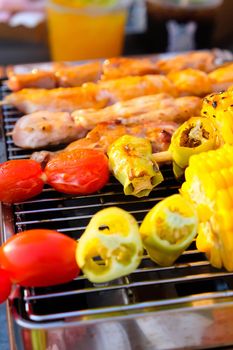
(5, 285)
(20, 180)
(80, 171)
(39, 257)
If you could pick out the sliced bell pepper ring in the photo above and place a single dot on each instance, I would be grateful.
(168, 229)
(196, 135)
(110, 247)
(132, 163)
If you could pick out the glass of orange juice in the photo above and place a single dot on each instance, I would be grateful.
(85, 29)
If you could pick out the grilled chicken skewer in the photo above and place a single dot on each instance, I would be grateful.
(104, 93)
(73, 76)
(169, 141)
(61, 75)
(160, 107)
(206, 61)
(96, 96)
(89, 95)
(42, 129)
(104, 134)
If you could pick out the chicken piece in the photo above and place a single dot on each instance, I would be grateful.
(156, 108)
(195, 82)
(59, 75)
(118, 67)
(104, 134)
(73, 76)
(124, 89)
(20, 77)
(160, 107)
(89, 95)
(45, 128)
(57, 100)
(222, 77)
(191, 82)
(205, 61)
(36, 78)
(62, 75)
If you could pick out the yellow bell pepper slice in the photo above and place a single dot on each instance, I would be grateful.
(168, 229)
(132, 163)
(219, 107)
(110, 247)
(196, 135)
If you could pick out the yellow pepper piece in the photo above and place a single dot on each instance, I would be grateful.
(196, 135)
(110, 247)
(132, 163)
(216, 102)
(219, 107)
(168, 229)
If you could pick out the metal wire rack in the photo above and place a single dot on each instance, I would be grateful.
(187, 285)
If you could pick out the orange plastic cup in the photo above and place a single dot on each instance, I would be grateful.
(78, 33)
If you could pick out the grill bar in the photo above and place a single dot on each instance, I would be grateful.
(139, 306)
(132, 285)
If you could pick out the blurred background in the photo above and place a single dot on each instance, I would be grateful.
(151, 26)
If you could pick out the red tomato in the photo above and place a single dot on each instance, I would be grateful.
(5, 285)
(37, 258)
(80, 171)
(20, 180)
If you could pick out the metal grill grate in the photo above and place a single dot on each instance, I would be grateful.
(190, 280)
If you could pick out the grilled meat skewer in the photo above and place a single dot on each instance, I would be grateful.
(89, 95)
(105, 93)
(42, 129)
(61, 75)
(105, 134)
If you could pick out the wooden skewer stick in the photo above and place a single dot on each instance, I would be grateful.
(162, 157)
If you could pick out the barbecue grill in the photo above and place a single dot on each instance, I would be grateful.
(185, 306)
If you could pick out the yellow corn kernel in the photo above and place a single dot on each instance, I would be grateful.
(227, 174)
(224, 201)
(209, 185)
(206, 242)
(230, 190)
(218, 180)
(215, 237)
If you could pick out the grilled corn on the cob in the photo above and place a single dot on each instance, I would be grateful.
(207, 173)
(209, 185)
